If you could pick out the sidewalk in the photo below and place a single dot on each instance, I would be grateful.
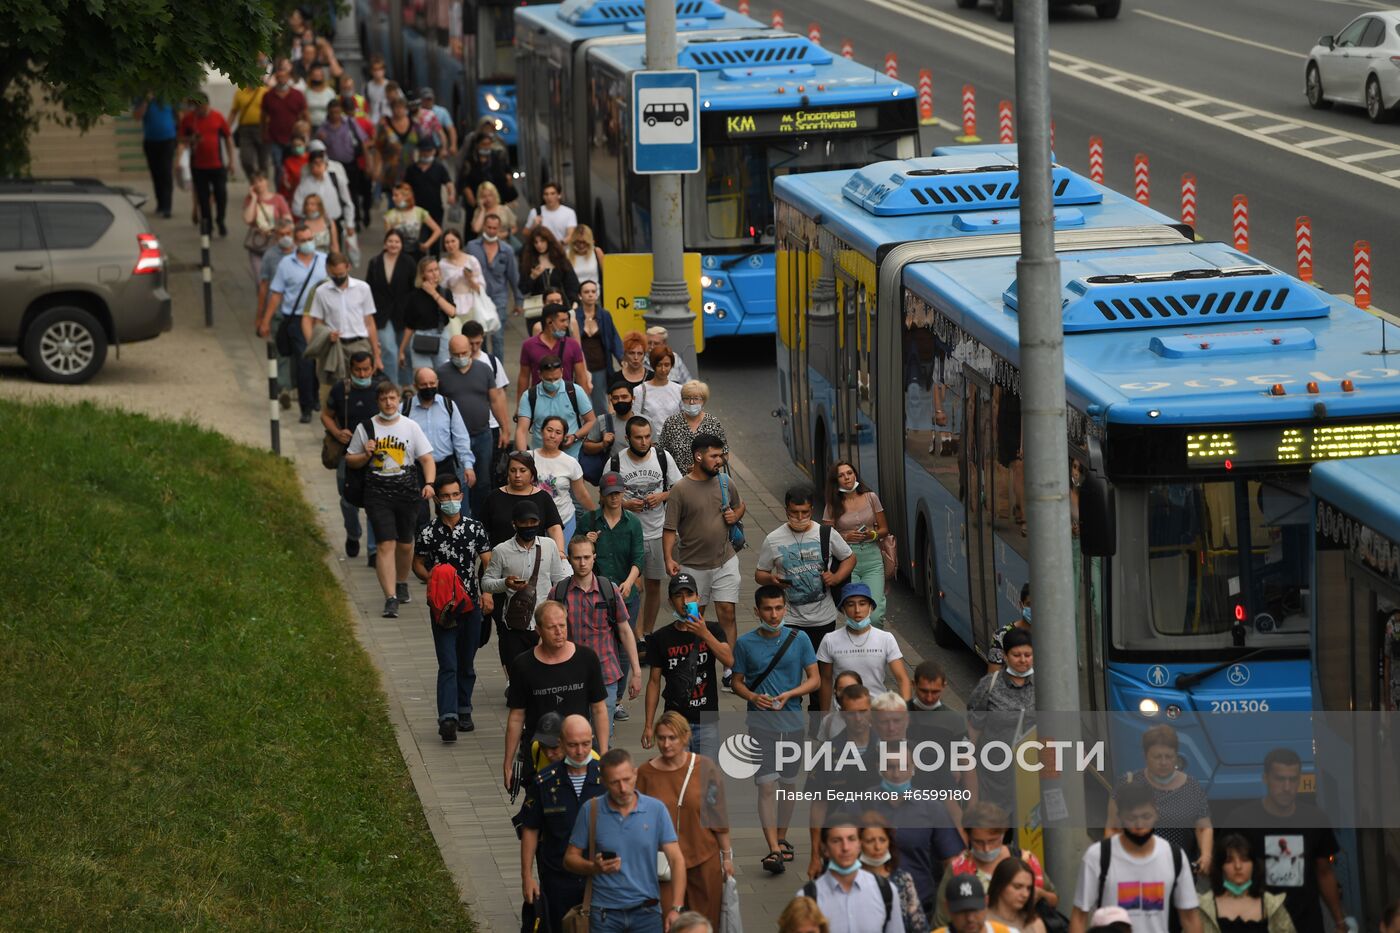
(217, 377)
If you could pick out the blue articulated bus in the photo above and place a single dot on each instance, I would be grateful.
(1356, 677)
(1201, 384)
(772, 104)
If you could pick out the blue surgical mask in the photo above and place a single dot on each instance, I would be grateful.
(286, 243)
(1238, 889)
(560, 334)
(770, 628)
(1026, 614)
(692, 410)
(306, 247)
(860, 626)
(461, 362)
(835, 869)
(450, 506)
(986, 855)
(893, 788)
(553, 385)
(361, 382)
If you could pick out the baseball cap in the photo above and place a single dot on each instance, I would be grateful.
(1105, 916)
(611, 482)
(551, 362)
(524, 511)
(426, 93)
(857, 589)
(316, 148)
(682, 582)
(965, 893)
(548, 728)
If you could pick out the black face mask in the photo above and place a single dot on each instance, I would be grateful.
(527, 533)
(622, 408)
(428, 394)
(340, 279)
(1138, 839)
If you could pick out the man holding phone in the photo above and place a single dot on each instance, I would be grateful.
(682, 658)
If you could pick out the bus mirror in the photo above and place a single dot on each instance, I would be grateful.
(1098, 517)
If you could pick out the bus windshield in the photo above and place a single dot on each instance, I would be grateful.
(735, 204)
(1220, 552)
(495, 41)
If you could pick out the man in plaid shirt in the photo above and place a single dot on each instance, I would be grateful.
(598, 620)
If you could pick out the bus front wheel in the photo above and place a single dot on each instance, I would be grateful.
(943, 636)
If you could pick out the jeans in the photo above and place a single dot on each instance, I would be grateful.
(614, 690)
(498, 343)
(704, 738)
(420, 360)
(569, 528)
(211, 182)
(633, 603)
(252, 151)
(160, 159)
(350, 513)
(483, 446)
(456, 656)
(389, 347)
(276, 152)
(639, 919)
(305, 368)
(870, 570)
(599, 395)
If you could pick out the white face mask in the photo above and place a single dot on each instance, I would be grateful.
(1015, 673)
(489, 238)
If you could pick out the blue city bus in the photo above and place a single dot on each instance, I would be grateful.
(1356, 677)
(772, 104)
(1201, 384)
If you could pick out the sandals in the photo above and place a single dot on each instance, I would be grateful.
(786, 848)
(773, 863)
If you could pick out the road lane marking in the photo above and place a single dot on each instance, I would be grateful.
(1222, 35)
(1194, 102)
(1368, 156)
(1322, 141)
(1393, 173)
(1094, 73)
(1278, 128)
(1236, 115)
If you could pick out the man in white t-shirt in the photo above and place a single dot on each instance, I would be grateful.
(792, 557)
(859, 646)
(556, 216)
(649, 474)
(1146, 875)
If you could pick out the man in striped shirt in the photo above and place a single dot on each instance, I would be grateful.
(598, 620)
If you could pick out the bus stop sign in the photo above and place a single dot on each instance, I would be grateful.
(665, 122)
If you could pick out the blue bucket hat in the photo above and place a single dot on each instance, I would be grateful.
(857, 589)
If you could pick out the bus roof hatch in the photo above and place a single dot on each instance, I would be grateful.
(614, 12)
(924, 186)
(720, 53)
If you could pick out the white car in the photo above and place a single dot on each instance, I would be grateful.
(1360, 65)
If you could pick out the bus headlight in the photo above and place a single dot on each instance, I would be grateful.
(707, 281)
(709, 307)
(491, 102)
(500, 125)
(1148, 706)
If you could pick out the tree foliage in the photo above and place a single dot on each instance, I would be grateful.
(93, 57)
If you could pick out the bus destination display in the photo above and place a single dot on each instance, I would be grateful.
(1264, 446)
(781, 122)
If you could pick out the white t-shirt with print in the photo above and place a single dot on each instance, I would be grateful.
(558, 473)
(868, 653)
(797, 557)
(1138, 885)
(397, 445)
(644, 478)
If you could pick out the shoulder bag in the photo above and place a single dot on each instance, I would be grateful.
(520, 608)
(576, 920)
(332, 450)
(258, 239)
(663, 864)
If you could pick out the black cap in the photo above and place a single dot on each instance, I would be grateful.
(524, 511)
(548, 728)
(551, 362)
(681, 582)
(965, 893)
(412, 100)
(427, 93)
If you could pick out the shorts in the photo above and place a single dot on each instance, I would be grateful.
(768, 768)
(392, 519)
(718, 585)
(655, 563)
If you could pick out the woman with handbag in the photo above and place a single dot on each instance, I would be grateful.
(430, 308)
(597, 334)
(859, 518)
(692, 789)
(461, 273)
(544, 266)
(327, 237)
(262, 208)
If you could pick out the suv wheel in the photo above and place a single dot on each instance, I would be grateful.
(65, 344)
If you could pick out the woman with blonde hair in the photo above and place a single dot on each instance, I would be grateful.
(692, 789)
(313, 214)
(802, 915)
(488, 201)
(679, 431)
(425, 319)
(587, 258)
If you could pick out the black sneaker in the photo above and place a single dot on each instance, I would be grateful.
(369, 561)
(223, 230)
(305, 417)
(728, 680)
(391, 608)
(352, 547)
(447, 728)
(464, 723)
(641, 649)
(403, 595)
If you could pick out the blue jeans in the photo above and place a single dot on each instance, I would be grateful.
(639, 919)
(498, 341)
(419, 360)
(704, 738)
(304, 368)
(350, 513)
(483, 446)
(633, 603)
(456, 657)
(275, 154)
(614, 690)
(569, 527)
(389, 347)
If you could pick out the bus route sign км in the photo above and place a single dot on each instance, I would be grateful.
(665, 122)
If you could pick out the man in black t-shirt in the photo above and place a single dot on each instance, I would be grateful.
(556, 676)
(1296, 843)
(427, 177)
(352, 402)
(682, 659)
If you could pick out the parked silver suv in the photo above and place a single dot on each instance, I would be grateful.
(79, 270)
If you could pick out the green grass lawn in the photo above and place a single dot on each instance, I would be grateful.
(190, 735)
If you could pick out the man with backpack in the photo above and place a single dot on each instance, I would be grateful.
(806, 559)
(852, 898)
(648, 473)
(441, 422)
(617, 536)
(598, 620)
(353, 401)
(554, 396)
(474, 386)
(985, 825)
(1137, 870)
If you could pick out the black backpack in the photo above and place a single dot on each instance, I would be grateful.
(615, 465)
(604, 584)
(886, 893)
(1106, 861)
(569, 387)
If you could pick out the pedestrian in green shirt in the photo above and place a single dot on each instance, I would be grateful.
(617, 538)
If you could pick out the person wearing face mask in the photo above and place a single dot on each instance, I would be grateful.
(679, 430)
(1237, 901)
(390, 277)
(401, 473)
(774, 668)
(682, 659)
(289, 293)
(1136, 860)
(852, 898)
(352, 402)
(340, 322)
(1001, 705)
(553, 397)
(552, 804)
(597, 335)
(474, 386)
(410, 220)
(429, 178)
(856, 645)
(996, 656)
(318, 95)
(986, 827)
(553, 341)
(879, 855)
(455, 539)
(608, 438)
(441, 422)
(263, 208)
(858, 516)
(326, 178)
(281, 108)
(511, 570)
(499, 270)
(1181, 801)
(283, 245)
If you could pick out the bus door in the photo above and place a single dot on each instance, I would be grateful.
(799, 385)
(979, 468)
(846, 418)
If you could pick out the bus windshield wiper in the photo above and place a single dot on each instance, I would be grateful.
(733, 261)
(1186, 681)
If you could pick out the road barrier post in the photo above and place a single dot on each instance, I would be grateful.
(206, 271)
(1142, 186)
(274, 406)
(891, 65)
(969, 116)
(1188, 200)
(1096, 159)
(814, 33)
(1361, 273)
(1005, 134)
(1239, 221)
(777, 19)
(1302, 235)
(848, 50)
(926, 117)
